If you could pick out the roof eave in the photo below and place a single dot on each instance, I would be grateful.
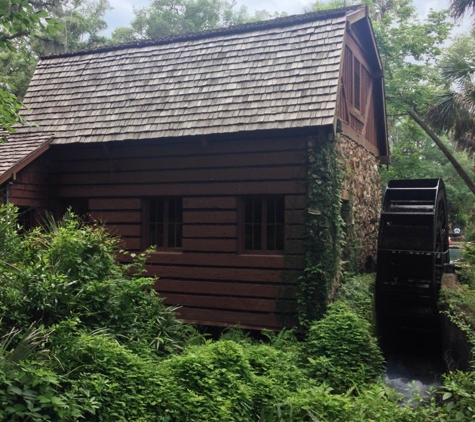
(20, 165)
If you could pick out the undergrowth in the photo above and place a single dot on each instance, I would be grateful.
(83, 337)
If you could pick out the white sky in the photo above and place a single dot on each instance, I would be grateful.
(122, 12)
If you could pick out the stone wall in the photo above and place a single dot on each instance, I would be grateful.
(362, 198)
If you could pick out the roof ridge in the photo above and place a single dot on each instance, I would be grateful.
(236, 29)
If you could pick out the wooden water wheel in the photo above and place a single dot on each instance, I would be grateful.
(413, 254)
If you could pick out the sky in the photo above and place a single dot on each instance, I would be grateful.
(122, 12)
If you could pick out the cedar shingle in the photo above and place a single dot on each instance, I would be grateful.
(15, 153)
(276, 74)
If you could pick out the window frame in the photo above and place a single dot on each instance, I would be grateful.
(264, 225)
(148, 202)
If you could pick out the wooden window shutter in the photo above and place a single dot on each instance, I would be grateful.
(348, 75)
(357, 84)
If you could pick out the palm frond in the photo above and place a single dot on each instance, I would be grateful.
(31, 340)
(443, 114)
(459, 8)
(458, 69)
(50, 224)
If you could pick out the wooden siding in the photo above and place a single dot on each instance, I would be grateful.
(358, 101)
(28, 188)
(213, 282)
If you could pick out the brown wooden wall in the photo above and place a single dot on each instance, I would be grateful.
(213, 282)
(363, 123)
(29, 188)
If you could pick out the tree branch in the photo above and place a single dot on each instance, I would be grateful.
(460, 170)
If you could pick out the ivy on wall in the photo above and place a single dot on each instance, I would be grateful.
(324, 234)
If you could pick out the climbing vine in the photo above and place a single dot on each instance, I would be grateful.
(325, 235)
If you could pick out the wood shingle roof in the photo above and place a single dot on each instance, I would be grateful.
(280, 74)
(19, 151)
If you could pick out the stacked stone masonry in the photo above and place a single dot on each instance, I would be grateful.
(362, 188)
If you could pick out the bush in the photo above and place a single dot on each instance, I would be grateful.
(108, 327)
(212, 382)
(72, 272)
(341, 351)
(29, 388)
(357, 292)
(458, 397)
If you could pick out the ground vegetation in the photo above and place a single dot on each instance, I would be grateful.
(84, 337)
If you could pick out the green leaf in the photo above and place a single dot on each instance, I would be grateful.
(41, 14)
(446, 396)
(15, 390)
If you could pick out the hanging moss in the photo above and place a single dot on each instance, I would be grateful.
(324, 238)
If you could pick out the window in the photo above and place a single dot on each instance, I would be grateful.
(263, 223)
(165, 222)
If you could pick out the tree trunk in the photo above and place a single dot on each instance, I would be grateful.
(462, 173)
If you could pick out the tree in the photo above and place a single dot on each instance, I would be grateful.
(410, 50)
(169, 17)
(30, 29)
(408, 47)
(19, 19)
(453, 108)
(82, 21)
(460, 7)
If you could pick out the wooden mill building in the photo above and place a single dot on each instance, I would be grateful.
(200, 145)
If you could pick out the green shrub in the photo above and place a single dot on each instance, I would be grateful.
(29, 389)
(212, 382)
(123, 383)
(109, 327)
(341, 351)
(458, 304)
(376, 402)
(458, 397)
(72, 272)
(357, 292)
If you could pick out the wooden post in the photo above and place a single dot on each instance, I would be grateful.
(460, 170)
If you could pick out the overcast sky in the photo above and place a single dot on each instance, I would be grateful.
(122, 12)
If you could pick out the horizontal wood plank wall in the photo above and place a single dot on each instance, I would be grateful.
(209, 278)
(29, 188)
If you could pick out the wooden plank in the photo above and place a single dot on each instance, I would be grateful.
(190, 175)
(295, 202)
(26, 196)
(294, 247)
(180, 189)
(295, 216)
(136, 149)
(210, 217)
(295, 231)
(31, 178)
(145, 162)
(222, 302)
(132, 243)
(257, 321)
(158, 259)
(130, 230)
(210, 245)
(115, 204)
(27, 187)
(115, 217)
(210, 202)
(26, 202)
(209, 230)
(262, 275)
(164, 286)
